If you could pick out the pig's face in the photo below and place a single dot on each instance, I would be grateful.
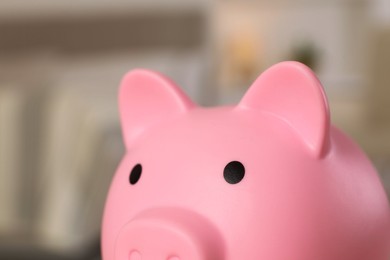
(266, 179)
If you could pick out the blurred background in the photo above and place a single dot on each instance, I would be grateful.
(61, 63)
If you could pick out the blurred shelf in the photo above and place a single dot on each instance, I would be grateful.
(19, 9)
(103, 33)
(28, 250)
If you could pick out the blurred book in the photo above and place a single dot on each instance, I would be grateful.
(81, 155)
(58, 187)
(11, 109)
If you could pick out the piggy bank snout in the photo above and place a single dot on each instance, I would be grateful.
(169, 234)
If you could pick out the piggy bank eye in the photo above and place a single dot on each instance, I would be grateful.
(135, 174)
(234, 172)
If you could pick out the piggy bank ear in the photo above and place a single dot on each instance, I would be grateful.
(292, 92)
(147, 98)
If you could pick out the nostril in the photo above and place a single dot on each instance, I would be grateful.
(135, 255)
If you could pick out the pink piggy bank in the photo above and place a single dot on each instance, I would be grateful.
(267, 179)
